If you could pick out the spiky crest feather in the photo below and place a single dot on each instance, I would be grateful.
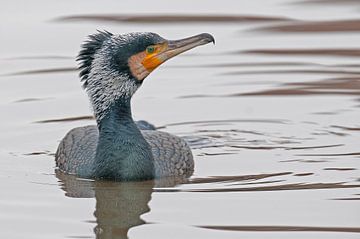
(87, 52)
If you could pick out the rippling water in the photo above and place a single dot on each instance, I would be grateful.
(271, 113)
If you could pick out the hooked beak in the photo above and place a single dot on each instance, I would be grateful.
(169, 49)
(179, 46)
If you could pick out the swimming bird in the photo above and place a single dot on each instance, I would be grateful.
(112, 67)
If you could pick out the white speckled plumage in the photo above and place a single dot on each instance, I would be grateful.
(105, 89)
(105, 85)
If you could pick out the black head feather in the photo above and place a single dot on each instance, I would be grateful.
(87, 52)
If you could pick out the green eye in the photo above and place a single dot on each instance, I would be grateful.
(150, 49)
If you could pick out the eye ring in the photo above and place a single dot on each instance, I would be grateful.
(150, 49)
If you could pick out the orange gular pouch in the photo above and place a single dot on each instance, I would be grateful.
(151, 62)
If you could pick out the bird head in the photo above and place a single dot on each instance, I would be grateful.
(114, 66)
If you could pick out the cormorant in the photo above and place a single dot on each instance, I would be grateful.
(112, 67)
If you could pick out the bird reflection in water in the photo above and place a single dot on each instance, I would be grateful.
(119, 205)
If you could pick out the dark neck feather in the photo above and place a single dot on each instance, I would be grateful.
(122, 152)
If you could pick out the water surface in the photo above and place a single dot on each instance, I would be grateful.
(271, 113)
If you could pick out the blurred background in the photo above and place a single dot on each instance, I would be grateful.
(271, 113)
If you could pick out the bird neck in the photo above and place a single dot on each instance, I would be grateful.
(122, 152)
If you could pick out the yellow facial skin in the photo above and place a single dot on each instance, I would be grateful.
(153, 57)
(143, 63)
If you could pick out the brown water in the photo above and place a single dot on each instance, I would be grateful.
(271, 113)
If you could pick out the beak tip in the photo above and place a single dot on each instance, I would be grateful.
(208, 37)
